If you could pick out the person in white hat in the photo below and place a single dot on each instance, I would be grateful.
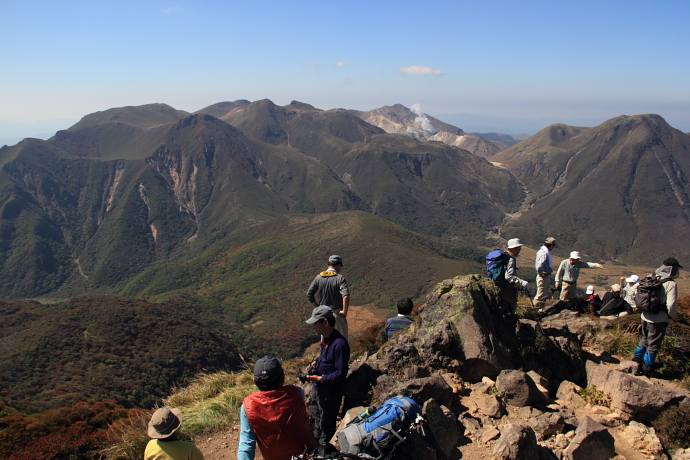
(568, 272)
(630, 288)
(164, 444)
(513, 282)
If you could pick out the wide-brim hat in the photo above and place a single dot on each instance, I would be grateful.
(164, 422)
(616, 287)
(514, 243)
(575, 255)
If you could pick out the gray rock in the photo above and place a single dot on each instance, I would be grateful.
(547, 425)
(418, 389)
(441, 422)
(415, 372)
(493, 407)
(569, 321)
(471, 425)
(635, 398)
(592, 441)
(517, 388)
(568, 392)
(517, 442)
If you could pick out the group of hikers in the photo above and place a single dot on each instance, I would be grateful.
(275, 417)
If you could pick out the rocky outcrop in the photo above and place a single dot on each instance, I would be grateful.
(635, 398)
(592, 441)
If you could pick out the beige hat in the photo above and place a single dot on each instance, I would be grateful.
(514, 243)
(575, 255)
(616, 288)
(164, 422)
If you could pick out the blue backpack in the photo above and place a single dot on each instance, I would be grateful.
(379, 434)
(496, 263)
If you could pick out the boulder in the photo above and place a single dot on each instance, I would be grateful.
(517, 388)
(361, 377)
(592, 441)
(635, 398)
(517, 442)
(569, 394)
(492, 406)
(441, 423)
(568, 321)
(643, 439)
(547, 425)
(418, 389)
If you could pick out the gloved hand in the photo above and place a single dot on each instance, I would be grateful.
(525, 284)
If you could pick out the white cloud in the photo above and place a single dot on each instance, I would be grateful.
(419, 70)
(342, 64)
(173, 10)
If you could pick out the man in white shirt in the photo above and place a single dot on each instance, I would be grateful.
(544, 267)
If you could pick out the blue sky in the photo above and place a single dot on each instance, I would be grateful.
(526, 59)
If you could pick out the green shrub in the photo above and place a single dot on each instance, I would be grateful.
(595, 397)
(673, 427)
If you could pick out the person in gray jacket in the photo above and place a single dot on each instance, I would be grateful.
(331, 287)
(654, 324)
(568, 272)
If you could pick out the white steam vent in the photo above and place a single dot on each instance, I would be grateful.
(422, 120)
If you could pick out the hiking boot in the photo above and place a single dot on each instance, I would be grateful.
(638, 369)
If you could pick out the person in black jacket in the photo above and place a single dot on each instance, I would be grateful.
(613, 305)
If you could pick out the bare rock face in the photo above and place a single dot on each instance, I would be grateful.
(592, 441)
(517, 442)
(635, 398)
(441, 423)
(418, 389)
(569, 393)
(518, 388)
(643, 439)
(547, 425)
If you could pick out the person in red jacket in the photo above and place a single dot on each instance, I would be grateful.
(275, 417)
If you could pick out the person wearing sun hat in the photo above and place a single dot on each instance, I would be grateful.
(543, 264)
(164, 444)
(275, 417)
(654, 324)
(630, 288)
(568, 272)
(512, 281)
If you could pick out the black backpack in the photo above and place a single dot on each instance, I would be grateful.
(648, 295)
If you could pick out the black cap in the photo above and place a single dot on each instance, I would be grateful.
(268, 369)
(672, 262)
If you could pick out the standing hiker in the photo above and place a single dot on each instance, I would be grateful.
(332, 290)
(629, 289)
(544, 267)
(568, 272)
(654, 324)
(513, 283)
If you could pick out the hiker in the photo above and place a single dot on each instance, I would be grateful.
(400, 322)
(544, 266)
(513, 282)
(164, 444)
(275, 417)
(332, 289)
(592, 299)
(613, 305)
(654, 324)
(568, 272)
(630, 289)
(331, 366)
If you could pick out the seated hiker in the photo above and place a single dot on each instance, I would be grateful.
(400, 322)
(613, 305)
(275, 417)
(164, 444)
(629, 289)
(592, 299)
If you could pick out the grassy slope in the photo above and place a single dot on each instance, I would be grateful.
(244, 280)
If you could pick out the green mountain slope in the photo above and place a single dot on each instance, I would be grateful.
(97, 204)
(97, 348)
(619, 190)
(254, 280)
